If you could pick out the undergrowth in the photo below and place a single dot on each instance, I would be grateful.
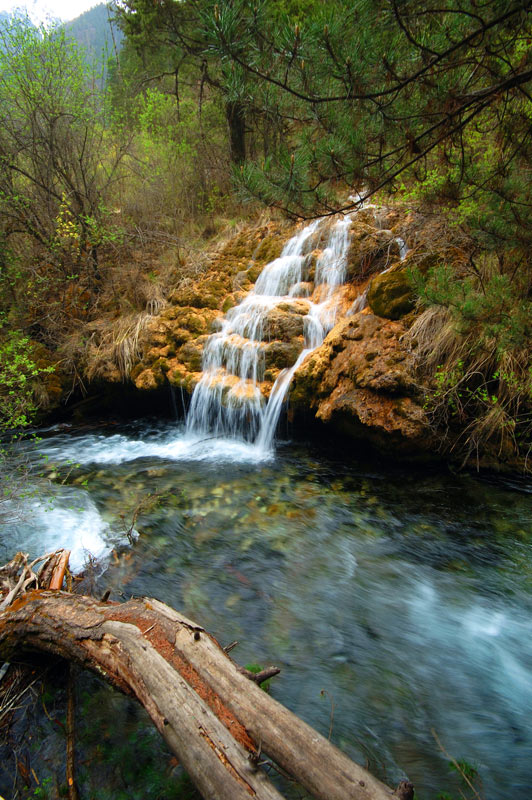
(472, 343)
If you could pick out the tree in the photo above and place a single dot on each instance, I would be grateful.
(169, 38)
(376, 94)
(55, 168)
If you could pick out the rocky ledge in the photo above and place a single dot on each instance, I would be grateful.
(362, 380)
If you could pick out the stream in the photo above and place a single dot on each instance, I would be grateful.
(395, 600)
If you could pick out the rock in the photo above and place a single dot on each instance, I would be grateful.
(147, 380)
(281, 354)
(303, 289)
(362, 379)
(366, 414)
(285, 321)
(372, 250)
(391, 294)
(190, 354)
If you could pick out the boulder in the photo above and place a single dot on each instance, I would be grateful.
(281, 354)
(285, 322)
(362, 380)
(372, 250)
(391, 294)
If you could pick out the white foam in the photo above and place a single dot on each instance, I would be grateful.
(67, 519)
(174, 446)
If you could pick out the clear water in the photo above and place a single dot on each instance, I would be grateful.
(404, 595)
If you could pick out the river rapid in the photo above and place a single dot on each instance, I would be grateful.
(395, 600)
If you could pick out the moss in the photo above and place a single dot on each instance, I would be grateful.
(136, 370)
(176, 375)
(148, 380)
(254, 271)
(161, 364)
(190, 355)
(391, 294)
(228, 303)
(281, 354)
(269, 249)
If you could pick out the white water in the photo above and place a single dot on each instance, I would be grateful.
(228, 402)
(67, 517)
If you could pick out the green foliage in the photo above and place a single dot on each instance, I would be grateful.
(18, 373)
(377, 94)
(43, 791)
(470, 782)
(492, 304)
(482, 380)
(255, 669)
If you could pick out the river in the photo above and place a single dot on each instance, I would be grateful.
(395, 600)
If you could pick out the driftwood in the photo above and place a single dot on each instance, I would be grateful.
(219, 724)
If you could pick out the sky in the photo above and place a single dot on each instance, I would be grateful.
(44, 10)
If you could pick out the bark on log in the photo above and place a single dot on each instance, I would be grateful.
(214, 718)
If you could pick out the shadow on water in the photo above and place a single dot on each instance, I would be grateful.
(405, 594)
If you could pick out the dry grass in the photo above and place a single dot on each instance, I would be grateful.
(114, 346)
(478, 399)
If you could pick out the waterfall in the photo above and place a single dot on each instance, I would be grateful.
(227, 401)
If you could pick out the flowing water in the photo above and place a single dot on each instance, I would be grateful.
(396, 602)
(400, 599)
(228, 401)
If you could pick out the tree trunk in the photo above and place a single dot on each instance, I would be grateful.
(217, 721)
(234, 112)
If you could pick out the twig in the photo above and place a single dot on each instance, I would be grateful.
(455, 764)
(70, 731)
(27, 576)
(324, 693)
(259, 677)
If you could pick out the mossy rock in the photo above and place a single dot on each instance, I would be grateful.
(190, 355)
(281, 354)
(160, 365)
(228, 303)
(254, 271)
(376, 252)
(269, 249)
(148, 380)
(176, 374)
(283, 325)
(136, 371)
(198, 297)
(391, 294)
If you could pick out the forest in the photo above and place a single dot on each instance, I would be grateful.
(277, 220)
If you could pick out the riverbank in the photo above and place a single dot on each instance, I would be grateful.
(386, 369)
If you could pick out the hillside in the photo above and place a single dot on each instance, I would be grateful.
(93, 31)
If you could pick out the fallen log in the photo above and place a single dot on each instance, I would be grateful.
(219, 723)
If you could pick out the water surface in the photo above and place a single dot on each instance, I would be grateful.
(396, 601)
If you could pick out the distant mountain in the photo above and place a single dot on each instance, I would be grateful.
(94, 32)
(8, 17)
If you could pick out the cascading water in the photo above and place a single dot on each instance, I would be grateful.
(228, 400)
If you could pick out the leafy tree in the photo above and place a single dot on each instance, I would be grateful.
(56, 166)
